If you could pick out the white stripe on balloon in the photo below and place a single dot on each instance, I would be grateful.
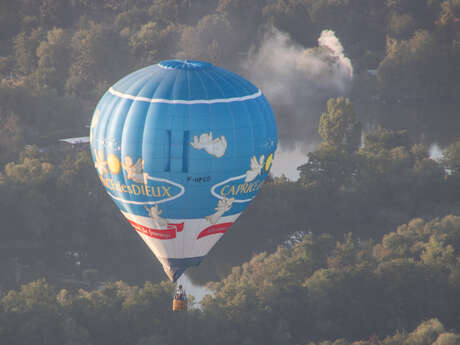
(183, 101)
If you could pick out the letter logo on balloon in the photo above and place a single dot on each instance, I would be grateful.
(159, 191)
(237, 188)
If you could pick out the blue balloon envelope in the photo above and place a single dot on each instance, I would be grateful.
(182, 147)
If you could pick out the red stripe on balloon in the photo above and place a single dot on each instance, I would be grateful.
(214, 229)
(166, 234)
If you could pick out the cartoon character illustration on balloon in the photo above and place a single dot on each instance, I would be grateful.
(100, 163)
(135, 171)
(223, 206)
(256, 168)
(154, 213)
(215, 147)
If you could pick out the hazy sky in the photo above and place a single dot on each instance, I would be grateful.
(286, 162)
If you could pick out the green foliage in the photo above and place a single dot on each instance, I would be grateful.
(450, 12)
(414, 69)
(426, 333)
(401, 26)
(11, 136)
(91, 69)
(9, 17)
(346, 290)
(333, 164)
(384, 139)
(303, 293)
(53, 57)
(437, 253)
(451, 158)
(292, 16)
(339, 126)
(34, 112)
(200, 42)
(447, 339)
(29, 171)
(327, 168)
(389, 179)
(25, 46)
(54, 13)
(32, 315)
(151, 42)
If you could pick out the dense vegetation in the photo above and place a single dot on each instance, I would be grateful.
(314, 290)
(341, 273)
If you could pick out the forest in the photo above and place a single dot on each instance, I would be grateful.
(363, 248)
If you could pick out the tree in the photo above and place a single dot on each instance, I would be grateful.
(153, 42)
(382, 139)
(32, 315)
(437, 253)
(53, 59)
(450, 11)
(328, 168)
(30, 171)
(447, 338)
(292, 16)
(426, 332)
(333, 164)
(91, 70)
(339, 126)
(451, 158)
(205, 41)
(11, 136)
(401, 26)
(25, 46)
(9, 17)
(407, 70)
(55, 13)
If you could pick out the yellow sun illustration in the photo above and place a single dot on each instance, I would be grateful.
(268, 162)
(113, 163)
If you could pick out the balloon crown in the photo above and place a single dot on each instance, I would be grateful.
(188, 65)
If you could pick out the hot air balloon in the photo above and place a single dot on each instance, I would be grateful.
(182, 147)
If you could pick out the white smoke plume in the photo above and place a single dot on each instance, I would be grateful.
(298, 81)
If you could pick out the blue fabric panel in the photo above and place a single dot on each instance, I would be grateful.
(175, 267)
